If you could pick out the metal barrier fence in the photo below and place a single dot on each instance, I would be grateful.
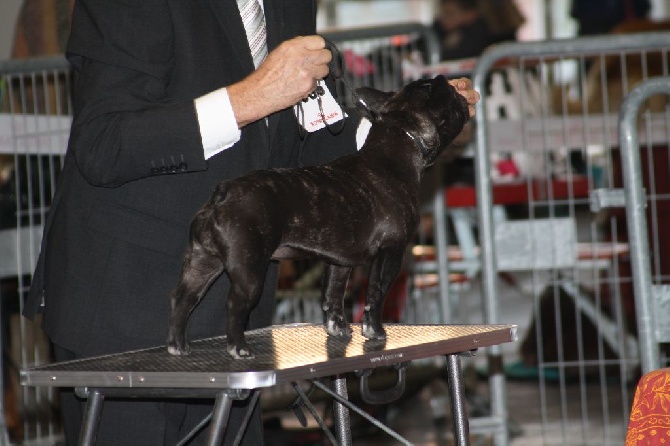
(35, 118)
(556, 233)
(651, 291)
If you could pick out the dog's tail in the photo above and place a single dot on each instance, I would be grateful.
(205, 213)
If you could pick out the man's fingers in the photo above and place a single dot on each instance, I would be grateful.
(472, 96)
(464, 87)
(462, 83)
(312, 42)
(312, 49)
(318, 54)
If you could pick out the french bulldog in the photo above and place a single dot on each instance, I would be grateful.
(360, 209)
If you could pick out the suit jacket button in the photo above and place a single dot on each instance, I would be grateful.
(183, 167)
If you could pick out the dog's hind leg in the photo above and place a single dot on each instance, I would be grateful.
(333, 288)
(199, 270)
(383, 273)
(246, 286)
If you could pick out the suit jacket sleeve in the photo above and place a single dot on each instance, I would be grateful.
(126, 128)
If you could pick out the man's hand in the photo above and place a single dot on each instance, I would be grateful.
(287, 75)
(464, 86)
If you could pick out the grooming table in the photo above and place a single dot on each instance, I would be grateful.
(282, 354)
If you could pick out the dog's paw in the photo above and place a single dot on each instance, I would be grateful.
(174, 349)
(239, 352)
(372, 330)
(375, 334)
(337, 326)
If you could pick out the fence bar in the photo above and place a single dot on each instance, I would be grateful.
(636, 217)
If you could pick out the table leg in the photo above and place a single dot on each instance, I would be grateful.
(342, 421)
(456, 390)
(89, 426)
(220, 416)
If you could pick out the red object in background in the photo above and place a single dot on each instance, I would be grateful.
(521, 191)
(507, 168)
(358, 65)
(393, 305)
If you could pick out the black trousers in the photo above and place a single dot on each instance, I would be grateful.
(150, 422)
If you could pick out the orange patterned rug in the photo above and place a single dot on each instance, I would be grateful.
(649, 422)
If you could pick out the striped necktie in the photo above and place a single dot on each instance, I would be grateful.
(254, 25)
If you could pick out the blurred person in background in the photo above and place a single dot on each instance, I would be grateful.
(42, 28)
(466, 27)
(602, 16)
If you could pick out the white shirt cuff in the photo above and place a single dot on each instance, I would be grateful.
(218, 126)
(362, 132)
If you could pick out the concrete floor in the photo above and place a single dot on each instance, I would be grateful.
(413, 419)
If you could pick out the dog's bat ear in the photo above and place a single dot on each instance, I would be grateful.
(370, 101)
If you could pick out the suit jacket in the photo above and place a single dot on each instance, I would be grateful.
(135, 173)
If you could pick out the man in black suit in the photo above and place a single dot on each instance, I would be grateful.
(167, 103)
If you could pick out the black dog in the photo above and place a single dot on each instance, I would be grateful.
(356, 210)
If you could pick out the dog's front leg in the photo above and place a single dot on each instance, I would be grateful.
(334, 285)
(385, 269)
